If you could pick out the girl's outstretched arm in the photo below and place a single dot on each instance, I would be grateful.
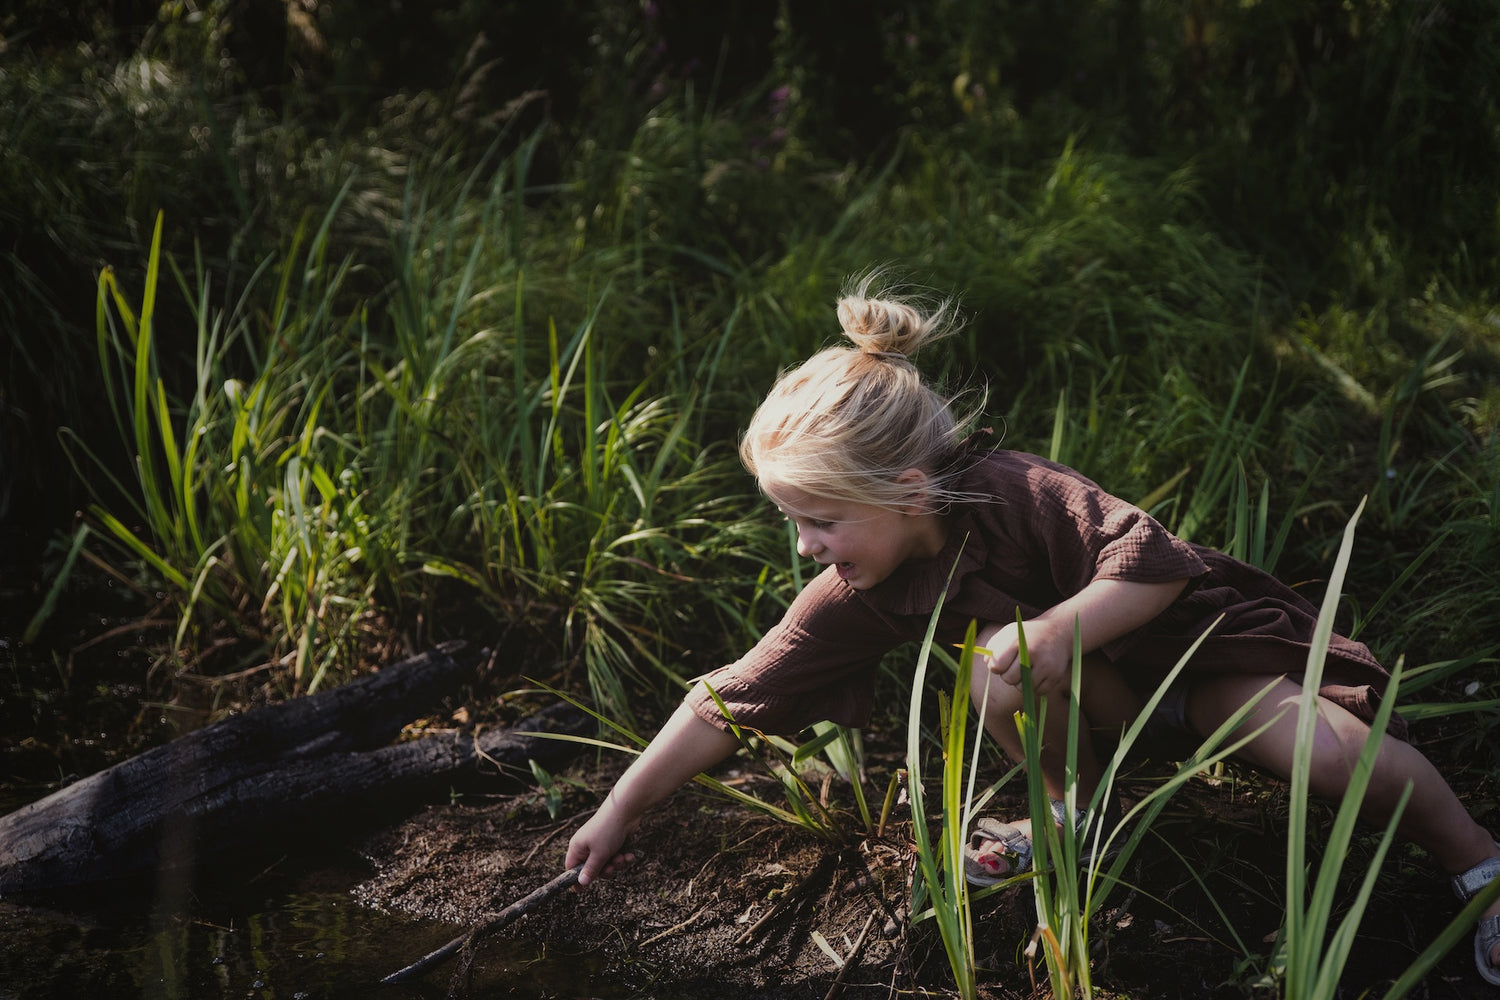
(685, 746)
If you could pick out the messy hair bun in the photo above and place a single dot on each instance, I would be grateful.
(849, 421)
(879, 324)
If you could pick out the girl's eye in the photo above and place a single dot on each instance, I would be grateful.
(814, 525)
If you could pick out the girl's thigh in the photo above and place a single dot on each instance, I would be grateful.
(1339, 735)
(1109, 704)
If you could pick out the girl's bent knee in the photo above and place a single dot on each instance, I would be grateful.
(994, 692)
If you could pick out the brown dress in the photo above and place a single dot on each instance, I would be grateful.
(1046, 535)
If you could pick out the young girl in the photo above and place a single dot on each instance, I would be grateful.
(871, 465)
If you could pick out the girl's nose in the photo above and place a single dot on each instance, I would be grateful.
(807, 547)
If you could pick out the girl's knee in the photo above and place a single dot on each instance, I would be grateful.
(993, 692)
(1109, 702)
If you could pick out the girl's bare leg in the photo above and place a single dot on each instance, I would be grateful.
(1106, 704)
(1434, 818)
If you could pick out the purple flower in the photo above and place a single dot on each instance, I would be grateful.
(779, 99)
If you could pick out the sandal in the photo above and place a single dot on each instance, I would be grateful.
(983, 867)
(1487, 931)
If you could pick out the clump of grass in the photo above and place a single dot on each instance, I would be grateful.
(1078, 866)
(803, 808)
(316, 473)
(941, 892)
(1312, 949)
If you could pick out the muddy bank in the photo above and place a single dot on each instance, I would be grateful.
(729, 903)
(1199, 922)
(721, 901)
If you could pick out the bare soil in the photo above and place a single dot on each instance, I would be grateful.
(729, 903)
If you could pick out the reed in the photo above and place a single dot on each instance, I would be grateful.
(1314, 943)
(315, 473)
(941, 892)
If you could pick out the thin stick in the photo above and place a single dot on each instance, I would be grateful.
(673, 930)
(852, 960)
(548, 839)
(792, 897)
(499, 920)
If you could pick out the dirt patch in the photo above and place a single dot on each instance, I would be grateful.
(729, 903)
(720, 897)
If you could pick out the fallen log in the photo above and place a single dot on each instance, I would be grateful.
(247, 784)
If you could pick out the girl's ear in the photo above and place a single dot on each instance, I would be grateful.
(916, 481)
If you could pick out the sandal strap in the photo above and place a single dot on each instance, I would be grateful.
(1466, 885)
(1486, 936)
(989, 829)
(1060, 814)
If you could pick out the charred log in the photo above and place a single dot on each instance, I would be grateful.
(251, 783)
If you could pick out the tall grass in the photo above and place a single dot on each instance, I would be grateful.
(388, 401)
(802, 809)
(333, 453)
(941, 889)
(1078, 866)
(1313, 948)
(1075, 869)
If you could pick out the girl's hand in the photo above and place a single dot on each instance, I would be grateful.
(683, 747)
(597, 844)
(1049, 646)
(1104, 610)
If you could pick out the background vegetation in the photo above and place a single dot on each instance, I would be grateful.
(349, 328)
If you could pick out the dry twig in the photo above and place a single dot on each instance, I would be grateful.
(852, 959)
(791, 898)
(519, 908)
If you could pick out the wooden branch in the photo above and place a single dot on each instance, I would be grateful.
(471, 937)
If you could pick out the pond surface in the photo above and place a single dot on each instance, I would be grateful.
(77, 701)
(288, 934)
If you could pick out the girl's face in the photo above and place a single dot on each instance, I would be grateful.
(863, 542)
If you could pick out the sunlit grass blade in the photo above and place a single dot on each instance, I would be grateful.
(942, 883)
(795, 818)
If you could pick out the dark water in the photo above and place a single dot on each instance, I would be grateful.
(292, 934)
(81, 698)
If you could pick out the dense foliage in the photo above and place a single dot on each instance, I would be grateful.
(350, 321)
(352, 327)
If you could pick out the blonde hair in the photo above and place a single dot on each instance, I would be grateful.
(846, 423)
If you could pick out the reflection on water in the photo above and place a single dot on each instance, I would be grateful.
(283, 937)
